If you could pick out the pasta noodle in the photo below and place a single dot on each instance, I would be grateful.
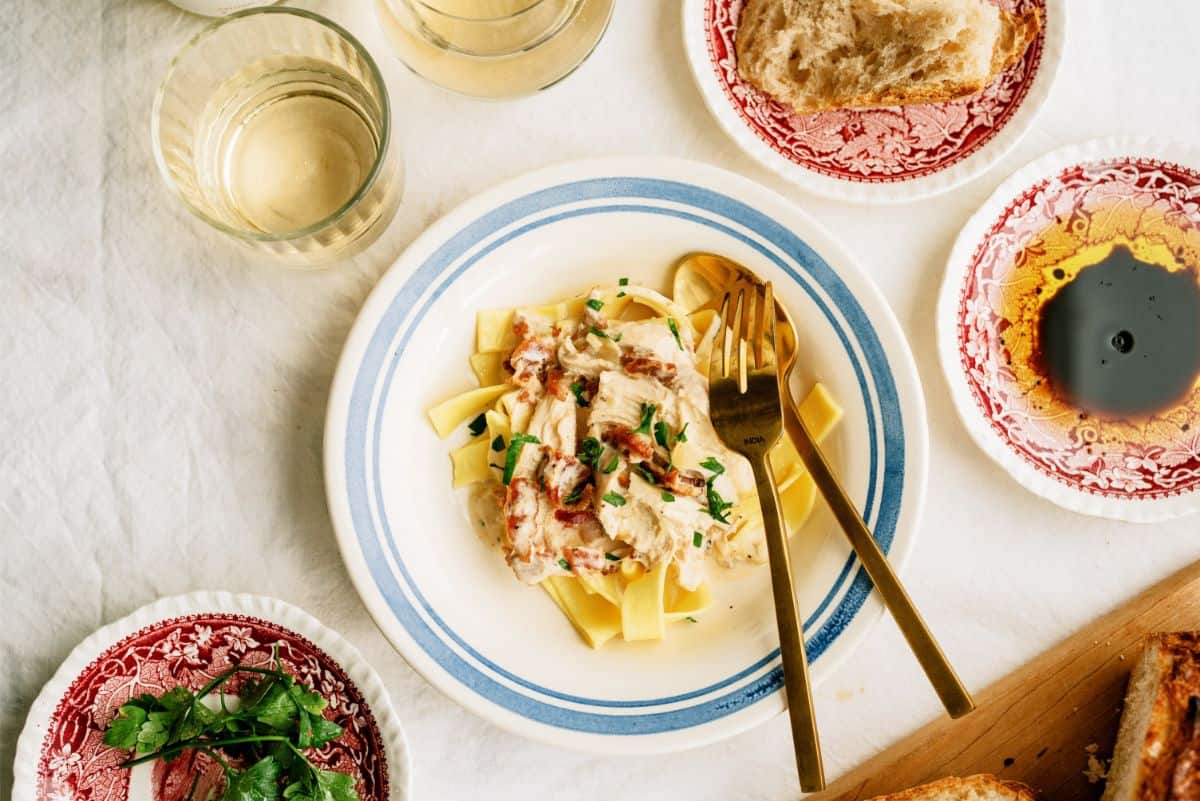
(626, 594)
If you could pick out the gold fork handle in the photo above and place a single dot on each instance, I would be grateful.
(945, 681)
(791, 635)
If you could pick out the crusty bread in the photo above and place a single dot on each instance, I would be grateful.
(818, 55)
(981, 787)
(1158, 745)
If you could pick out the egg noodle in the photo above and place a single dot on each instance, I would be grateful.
(594, 462)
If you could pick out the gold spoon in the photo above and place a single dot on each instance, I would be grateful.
(723, 274)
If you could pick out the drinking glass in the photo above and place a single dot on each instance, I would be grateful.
(273, 126)
(494, 48)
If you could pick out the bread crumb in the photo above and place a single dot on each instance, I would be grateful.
(1097, 769)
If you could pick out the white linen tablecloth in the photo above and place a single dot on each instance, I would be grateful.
(162, 393)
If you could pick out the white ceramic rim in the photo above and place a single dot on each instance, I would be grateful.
(695, 45)
(1144, 510)
(904, 372)
(260, 606)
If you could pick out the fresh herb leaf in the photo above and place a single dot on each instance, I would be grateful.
(661, 435)
(717, 506)
(575, 495)
(324, 731)
(611, 466)
(648, 410)
(515, 445)
(595, 304)
(277, 709)
(612, 557)
(620, 294)
(565, 565)
(675, 331)
(682, 435)
(477, 426)
(589, 452)
(691, 619)
(498, 444)
(577, 389)
(613, 499)
(668, 497)
(259, 782)
(646, 475)
(597, 332)
(122, 731)
(623, 282)
(712, 465)
(334, 786)
(697, 539)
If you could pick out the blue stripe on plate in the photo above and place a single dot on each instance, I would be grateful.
(889, 476)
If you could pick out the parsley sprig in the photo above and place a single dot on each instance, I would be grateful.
(277, 719)
(515, 445)
(648, 410)
(717, 506)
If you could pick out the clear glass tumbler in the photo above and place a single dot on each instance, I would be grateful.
(494, 48)
(273, 126)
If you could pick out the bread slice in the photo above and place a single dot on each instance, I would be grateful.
(981, 787)
(1158, 745)
(818, 55)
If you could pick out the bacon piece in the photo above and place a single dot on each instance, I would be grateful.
(574, 517)
(530, 360)
(640, 364)
(557, 383)
(635, 447)
(562, 475)
(584, 560)
(520, 523)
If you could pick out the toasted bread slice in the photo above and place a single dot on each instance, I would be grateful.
(819, 55)
(1158, 744)
(981, 787)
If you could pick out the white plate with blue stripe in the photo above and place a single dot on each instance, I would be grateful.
(447, 601)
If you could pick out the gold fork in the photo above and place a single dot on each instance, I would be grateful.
(747, 413)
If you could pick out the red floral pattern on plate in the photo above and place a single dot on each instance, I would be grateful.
(885, 145)
(75, 765)
(1076, 455)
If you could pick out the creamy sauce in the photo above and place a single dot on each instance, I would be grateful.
(627, 464)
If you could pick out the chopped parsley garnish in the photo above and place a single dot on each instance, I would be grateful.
(577, 390)
(498, 443)
(612, 557)
(668, 497)
(697, 539)
(661, 435)
(682, 435)
(648, 410)
(620, 294)
(623, 282)
(611, 466)
(564, 565)
(595, 304)
(589, 452)
(691, 619)
(514, 452)
(717, 506)
(575, 495)
(675, 331)
(645, 474)
(477, 426)
(613, 499)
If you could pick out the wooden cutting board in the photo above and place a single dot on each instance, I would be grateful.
(1035, 724)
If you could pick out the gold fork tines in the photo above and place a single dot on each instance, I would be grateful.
(747, 412)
